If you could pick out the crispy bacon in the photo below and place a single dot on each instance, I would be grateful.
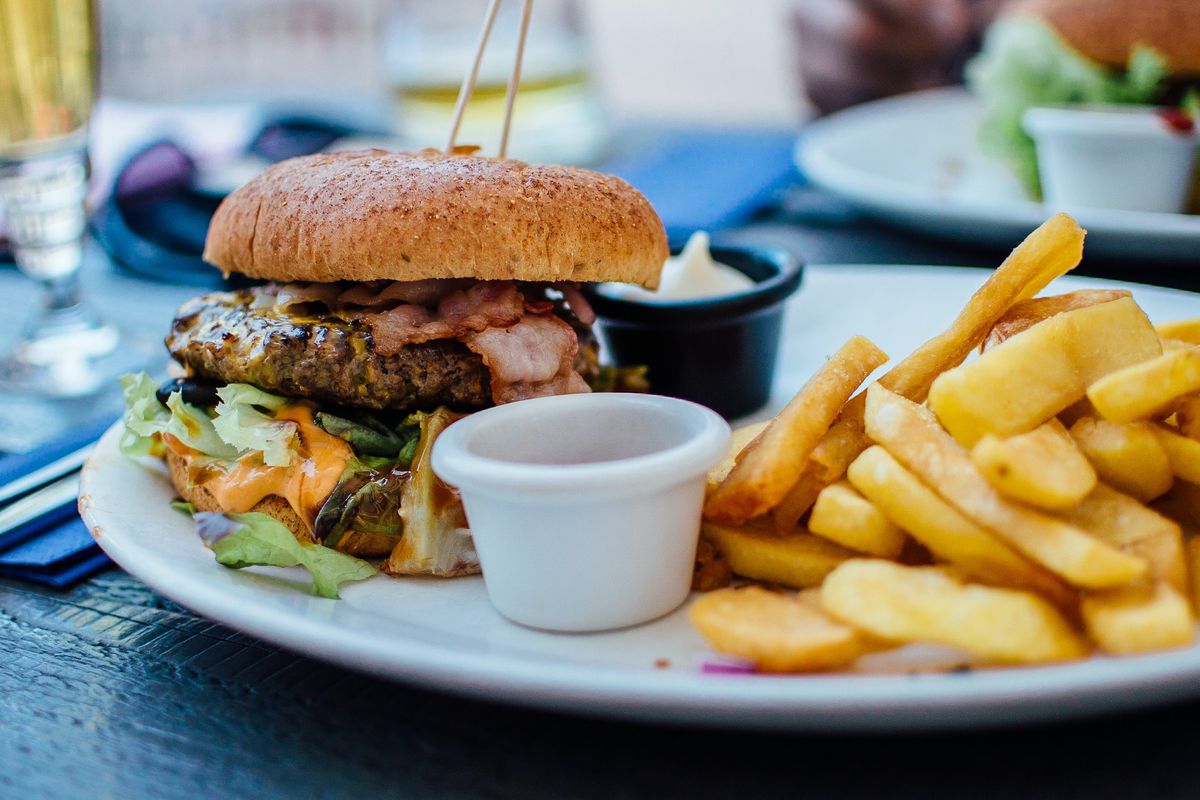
(580, 307)
(532, 358)
(387, 293)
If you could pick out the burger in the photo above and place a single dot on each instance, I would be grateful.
(1054, 52)
(397, 292)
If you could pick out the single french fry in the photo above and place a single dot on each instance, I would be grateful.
(1185, 330)
(1139, 619)
(1018, 385)
(913, 436)
(772, 463)
(949, 536)
(797, 559)
(845, 517)
(1183, 454)
(1187, 414)
(1147, 390)
(737, 443)
(1192, 547)
(1053, 249)
(1121, 521)
(1043, 467)
(1127, 456)
(778, 632)
(925, 604)
(1027, 313)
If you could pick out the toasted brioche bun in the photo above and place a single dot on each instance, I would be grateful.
(355, 543)
(1107, 30)
(370, 214)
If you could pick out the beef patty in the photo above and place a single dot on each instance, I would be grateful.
(226, 337)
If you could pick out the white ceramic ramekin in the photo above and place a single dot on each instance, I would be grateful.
(1133, 158)
(585, 508)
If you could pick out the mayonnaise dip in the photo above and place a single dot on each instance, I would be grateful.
(688, 276)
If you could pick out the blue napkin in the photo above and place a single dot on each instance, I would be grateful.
(55, 549)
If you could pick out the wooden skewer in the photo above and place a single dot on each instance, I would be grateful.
(515, 79)
(468, 86)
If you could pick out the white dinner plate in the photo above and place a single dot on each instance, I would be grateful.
(914, 160)
(444, 634)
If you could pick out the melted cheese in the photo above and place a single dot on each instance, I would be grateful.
(305, 484)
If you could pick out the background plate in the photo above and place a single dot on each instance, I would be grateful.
(444, 634)
(914, 160)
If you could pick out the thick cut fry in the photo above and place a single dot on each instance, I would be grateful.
(1043, 468)
(1149, 389)
(1018, 385)
(778, 632)
(1185, 330)
(1121, 521)
(1182, 452)
(1193, 557)
(924, 604)
(1187, 414)
(1128, 456)
(737, 443)
(1138, 619)
(796, 559)
(1027, 313)
(772, 463)
(845, 517)
(1050, 251)
(913, 436)
(948, 535)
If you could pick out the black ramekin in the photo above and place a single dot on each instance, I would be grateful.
(718, 351)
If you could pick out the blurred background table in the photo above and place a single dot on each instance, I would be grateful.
(110, 690)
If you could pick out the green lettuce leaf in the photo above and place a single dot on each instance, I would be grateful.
(254, 539)
(146, 419)
(1024, 64)
(241, 424)
(184, 507)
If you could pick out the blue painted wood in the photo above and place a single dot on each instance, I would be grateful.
(109, 690)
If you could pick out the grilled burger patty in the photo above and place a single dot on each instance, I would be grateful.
(224, 337)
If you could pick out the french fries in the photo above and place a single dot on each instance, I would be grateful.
(1149, 388)
(845, 517)
(1043, 468)
(912, 435)
(925, 604)
(1139, 619)
(977, 520)
(778, 632)
(737, 443)
(1127, 455)
(797, 559)
(770, 464)
(1027, 313)
(1018, 385)
(1182, 453)
(1186, 330)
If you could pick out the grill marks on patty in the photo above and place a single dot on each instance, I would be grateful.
(242, 337)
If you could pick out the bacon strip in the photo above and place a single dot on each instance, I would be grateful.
(532, 358)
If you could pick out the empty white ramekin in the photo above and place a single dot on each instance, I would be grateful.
(585, 508)
(1132, 158)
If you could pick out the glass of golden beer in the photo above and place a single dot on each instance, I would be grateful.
(47, 86)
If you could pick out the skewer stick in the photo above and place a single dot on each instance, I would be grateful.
(515, 80)
(468, 85)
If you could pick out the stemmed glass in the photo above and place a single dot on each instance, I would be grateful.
(47, 87)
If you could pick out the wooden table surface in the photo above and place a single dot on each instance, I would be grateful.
(110, 690)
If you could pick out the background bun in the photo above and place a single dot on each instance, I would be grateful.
(371, 214)
(1107, 30)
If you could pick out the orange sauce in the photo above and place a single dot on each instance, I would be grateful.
(305, 484)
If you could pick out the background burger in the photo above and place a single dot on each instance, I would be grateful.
(403, 290)
(1052, 52)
